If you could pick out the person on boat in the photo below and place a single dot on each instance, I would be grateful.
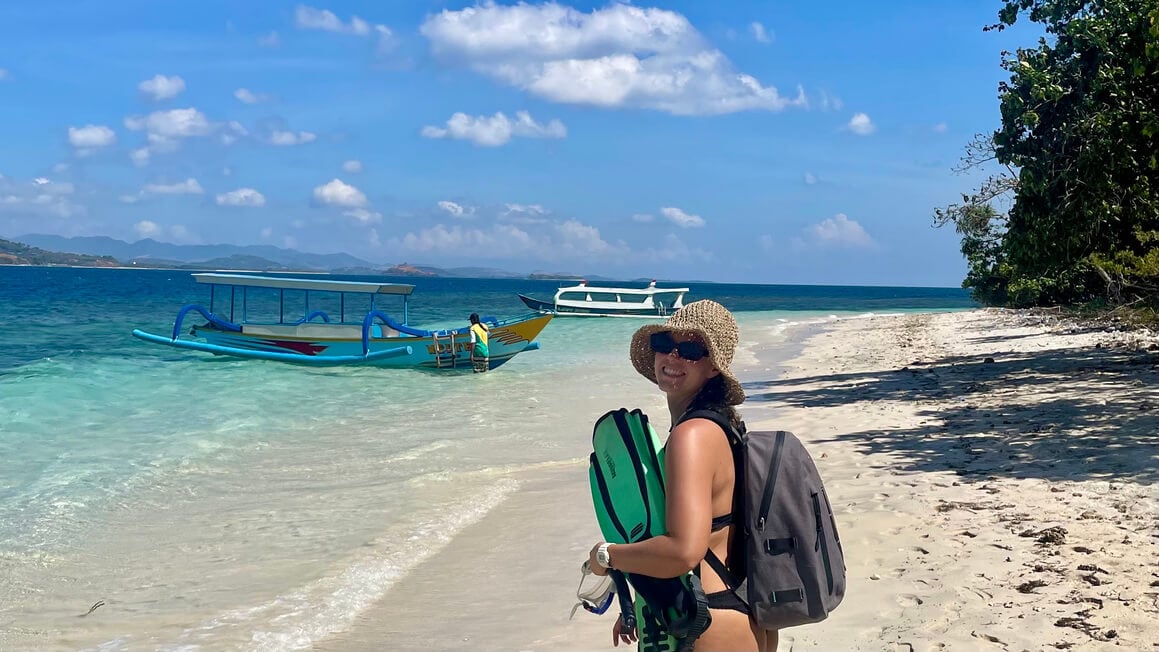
(480, 355)
(688, 357)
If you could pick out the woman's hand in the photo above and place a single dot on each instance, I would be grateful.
(594, 564)
(619, 632)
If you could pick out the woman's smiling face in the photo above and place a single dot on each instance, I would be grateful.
(681, 378)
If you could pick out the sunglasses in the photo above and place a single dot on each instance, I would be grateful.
(662, 342)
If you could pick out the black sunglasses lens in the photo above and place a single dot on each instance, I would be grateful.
(691, 351)
(662, 342)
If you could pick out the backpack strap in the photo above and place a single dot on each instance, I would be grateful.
(736, 440)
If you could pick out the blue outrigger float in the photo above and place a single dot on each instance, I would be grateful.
(374, 339)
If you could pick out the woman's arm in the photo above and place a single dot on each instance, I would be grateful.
(691, 460)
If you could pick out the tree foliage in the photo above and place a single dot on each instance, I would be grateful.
(1079, 143)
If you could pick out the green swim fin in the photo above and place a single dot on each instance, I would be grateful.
(626, 475)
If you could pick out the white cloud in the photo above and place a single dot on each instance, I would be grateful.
(165, 129)
(306, 17)
(4, 74)
(941, 128)
(567, 240)
(161, 87)
(673, 249)
(456, 210)
(617, 56)
(338, 193)
(179, 234)
(352, 166)
(175, 123)
(271, 40)
(810, 179)
(840, 231)
(363, 216)
(325, 20)
(767, 243)
(643, 218)
(285, 138)
(759, 33)
(176, 233)
(247, 96)
(60, 168)
(680, 218)
(232, 131)
(241, 197)
(385, 38)
(187, 187)
(91, 136)
(147, 229)
(524, 213)
(830, 102)
(140, 157)
(861, 125)
(267, 232)
(38, 198)
(495, 130)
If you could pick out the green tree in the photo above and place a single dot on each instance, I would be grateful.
(1081, 131)
(981, 225)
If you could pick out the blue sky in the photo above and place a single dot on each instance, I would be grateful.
(765, 142)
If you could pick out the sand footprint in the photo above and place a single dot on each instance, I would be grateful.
(909, 600)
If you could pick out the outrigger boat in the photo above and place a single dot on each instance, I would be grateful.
(373, 338)
(584, 300)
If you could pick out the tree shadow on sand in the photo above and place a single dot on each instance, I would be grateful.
(1070, 414)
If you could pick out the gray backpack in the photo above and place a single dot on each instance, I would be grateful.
(788, 566)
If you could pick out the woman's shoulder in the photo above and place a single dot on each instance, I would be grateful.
(697, 429)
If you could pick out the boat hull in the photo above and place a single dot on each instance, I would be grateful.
(309, 344)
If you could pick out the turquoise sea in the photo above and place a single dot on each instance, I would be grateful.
(213, 503)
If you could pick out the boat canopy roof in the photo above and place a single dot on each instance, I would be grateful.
(650, 290)
(317, 285)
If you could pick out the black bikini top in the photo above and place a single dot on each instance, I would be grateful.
(721, 522)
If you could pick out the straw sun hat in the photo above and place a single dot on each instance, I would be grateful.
(717, 329)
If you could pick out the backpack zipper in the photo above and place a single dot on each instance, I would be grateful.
(767, 498)
(822, 543)
(833, 522)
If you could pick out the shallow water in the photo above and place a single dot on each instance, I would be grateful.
(215, 503)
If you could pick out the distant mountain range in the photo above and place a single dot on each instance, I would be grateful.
(149, 250)
(104, 251)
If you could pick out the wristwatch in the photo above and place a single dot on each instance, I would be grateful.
(602, 557)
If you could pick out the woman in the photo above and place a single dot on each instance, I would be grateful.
(688, 358)
(480, 356)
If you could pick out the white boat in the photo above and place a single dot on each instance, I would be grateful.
(585, 300)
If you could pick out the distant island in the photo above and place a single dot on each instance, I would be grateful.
(102, 251)
(16, 253)
(410, 270)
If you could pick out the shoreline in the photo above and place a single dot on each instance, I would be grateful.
(981, 503)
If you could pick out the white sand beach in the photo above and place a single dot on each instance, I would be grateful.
(994, 476)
